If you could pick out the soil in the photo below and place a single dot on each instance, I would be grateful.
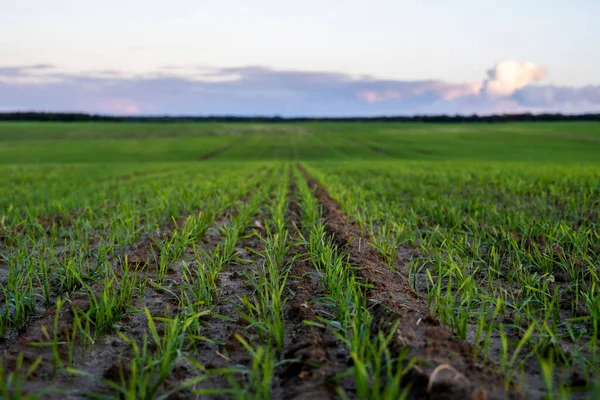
(223, 349)
(312, 358)
(107, 357)
(446, 365)
(315, 355)
(104, 354)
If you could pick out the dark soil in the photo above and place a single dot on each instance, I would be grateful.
(107, 357)
(224, 349)
(447, 368)
(312, 357)
(315, 355)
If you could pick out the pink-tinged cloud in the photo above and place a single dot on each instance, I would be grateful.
(371, 96)
(458, 90)
(445, 91)
(119, 106)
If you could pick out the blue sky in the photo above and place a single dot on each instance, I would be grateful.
(309, 57)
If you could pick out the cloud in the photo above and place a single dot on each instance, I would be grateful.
(510, 75)
(560, 98)
(119, 106)
(23, 69)
(548, 95)
(371, 96)
(257, 90)
(26, 74)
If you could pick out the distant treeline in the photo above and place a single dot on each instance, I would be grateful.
(80, 117)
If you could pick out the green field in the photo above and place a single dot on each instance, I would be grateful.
(324, 260)
(25, 143)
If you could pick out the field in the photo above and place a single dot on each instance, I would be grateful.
(315, 260)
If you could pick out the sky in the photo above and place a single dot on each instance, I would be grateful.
(337, 58)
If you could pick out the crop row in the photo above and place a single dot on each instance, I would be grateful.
(507, 255)
(274, 280)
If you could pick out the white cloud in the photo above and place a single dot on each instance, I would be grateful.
(510, 75)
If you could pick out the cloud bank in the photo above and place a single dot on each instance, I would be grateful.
(510, 87)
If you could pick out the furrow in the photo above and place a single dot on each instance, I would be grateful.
(446, 366)
(314, 355)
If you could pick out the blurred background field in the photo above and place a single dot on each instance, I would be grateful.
(560, 142)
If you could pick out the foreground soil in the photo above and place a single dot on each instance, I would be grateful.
(446, 368)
